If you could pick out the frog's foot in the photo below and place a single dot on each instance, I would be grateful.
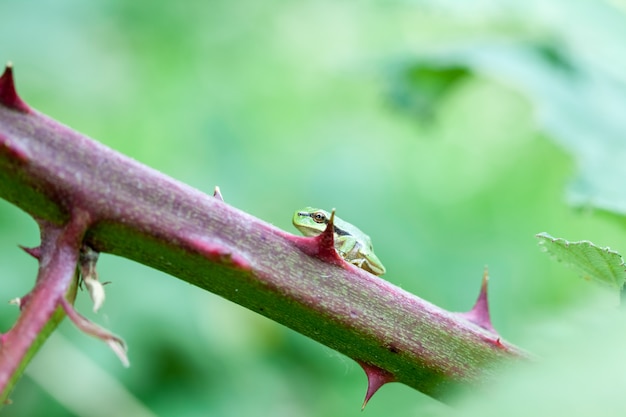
(358, 262)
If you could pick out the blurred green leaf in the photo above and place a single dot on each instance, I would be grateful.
(580, 373)
(578, 103)
(420, 87)
(600, 265)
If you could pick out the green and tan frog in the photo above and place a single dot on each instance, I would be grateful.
(350, 242)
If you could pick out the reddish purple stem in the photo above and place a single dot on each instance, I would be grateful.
(59, 252)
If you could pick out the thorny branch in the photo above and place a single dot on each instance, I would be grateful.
(83, 193)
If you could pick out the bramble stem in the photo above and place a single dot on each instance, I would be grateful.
(39, 309)
(136, 212)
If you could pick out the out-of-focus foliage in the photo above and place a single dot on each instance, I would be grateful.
(578, 101)
(579, 373)
(428, 124)
(418, 87)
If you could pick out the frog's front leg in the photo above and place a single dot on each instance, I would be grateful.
(348, 248)
(364, 258)
(371, 263)
(353, 251)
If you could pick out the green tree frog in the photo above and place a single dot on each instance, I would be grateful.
(350, 242)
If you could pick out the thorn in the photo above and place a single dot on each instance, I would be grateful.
(479, 314)
(34, 252)
(14, 150)
(326, 240)
(8, 94)
(376, 378)
(217, 193)
(116, 344)
(219, 252)
(499, 343)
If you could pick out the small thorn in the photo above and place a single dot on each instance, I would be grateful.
(499, 343)
(219, 252)
(479, 314)
(34, 252)
(217, 193)
(8, 94)
(14, 150)
(376, 378)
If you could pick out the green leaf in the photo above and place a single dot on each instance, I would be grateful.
(578, 102)
(601, 265)
(418, 88)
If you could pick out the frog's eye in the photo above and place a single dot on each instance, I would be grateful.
(318, 217)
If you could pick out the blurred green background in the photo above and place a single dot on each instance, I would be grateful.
(448, 132)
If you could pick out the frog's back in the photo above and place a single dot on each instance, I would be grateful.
(344, 228)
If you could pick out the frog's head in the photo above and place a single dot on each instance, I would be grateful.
(311, 221)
